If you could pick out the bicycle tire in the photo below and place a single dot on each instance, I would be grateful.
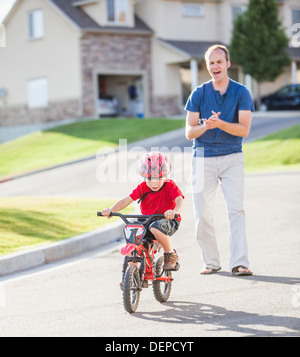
(131, 289)
(161, 289)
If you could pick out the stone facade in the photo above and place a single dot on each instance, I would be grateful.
(19, 115)
(114, 54)
(165, 106)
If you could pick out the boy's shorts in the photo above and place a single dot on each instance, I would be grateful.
(166, 226)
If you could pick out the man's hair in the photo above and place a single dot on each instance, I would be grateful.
(217, 47)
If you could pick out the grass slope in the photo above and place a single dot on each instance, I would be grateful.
(73, 141)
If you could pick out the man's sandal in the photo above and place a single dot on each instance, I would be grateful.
(236, 271)
(208, 271)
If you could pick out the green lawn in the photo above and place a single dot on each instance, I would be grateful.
(32, 221)
(277, 152)
(73, 141)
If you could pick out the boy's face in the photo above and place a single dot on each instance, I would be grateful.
(155, 184)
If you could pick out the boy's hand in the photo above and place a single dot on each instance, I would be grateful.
(106, 212)
(170, 214)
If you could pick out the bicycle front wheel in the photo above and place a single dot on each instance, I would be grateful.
(161, 289)
(131, 289)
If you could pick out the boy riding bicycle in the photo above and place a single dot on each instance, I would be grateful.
(157, 195)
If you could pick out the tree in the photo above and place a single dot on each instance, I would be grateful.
(259, 43)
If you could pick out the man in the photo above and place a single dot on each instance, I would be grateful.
(218, 117)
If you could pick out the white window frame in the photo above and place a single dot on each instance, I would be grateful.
(35, 24)
(192, 10)
(118, 5)
(237, 10)
(37, 92)
(293, 10)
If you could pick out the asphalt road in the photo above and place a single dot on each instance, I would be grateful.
(81, 296)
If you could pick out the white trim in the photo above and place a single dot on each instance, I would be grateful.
(84, 2)
(186, 55)
(189, 10)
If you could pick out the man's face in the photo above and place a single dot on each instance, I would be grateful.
(217, 65)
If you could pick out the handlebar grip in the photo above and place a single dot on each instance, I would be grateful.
(99, 214)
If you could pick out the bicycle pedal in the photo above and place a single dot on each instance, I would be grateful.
(176, 268)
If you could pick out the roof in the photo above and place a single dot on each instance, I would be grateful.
(191, 49)
(197, 49)
(82, 20)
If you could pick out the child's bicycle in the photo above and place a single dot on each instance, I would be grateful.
(139, 267)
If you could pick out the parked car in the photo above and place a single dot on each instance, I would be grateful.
(288, 97)
(107, 106)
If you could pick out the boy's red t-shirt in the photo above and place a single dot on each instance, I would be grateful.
(157, 202)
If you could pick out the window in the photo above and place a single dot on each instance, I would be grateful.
(36, 24)
(117, 11)
(37, 92)
(192, 10)
(295, 17)
(238, 10)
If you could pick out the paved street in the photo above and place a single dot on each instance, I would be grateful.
(81, 296)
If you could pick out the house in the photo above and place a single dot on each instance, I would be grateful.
(61, 56)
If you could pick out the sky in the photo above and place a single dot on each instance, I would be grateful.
(5, 5)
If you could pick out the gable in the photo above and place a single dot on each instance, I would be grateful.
(73, 12)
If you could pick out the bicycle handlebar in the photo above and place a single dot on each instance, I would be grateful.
(125, 216)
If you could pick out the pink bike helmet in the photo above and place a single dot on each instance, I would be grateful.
(154, 165)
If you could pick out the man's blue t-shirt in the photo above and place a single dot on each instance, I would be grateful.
(204, 99)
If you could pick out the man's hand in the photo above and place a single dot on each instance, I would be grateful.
(213, 121)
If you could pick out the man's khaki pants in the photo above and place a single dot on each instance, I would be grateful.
(208, 172)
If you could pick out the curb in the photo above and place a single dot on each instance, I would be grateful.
(16, 262)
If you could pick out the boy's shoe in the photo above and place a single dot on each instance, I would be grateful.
(170, 260)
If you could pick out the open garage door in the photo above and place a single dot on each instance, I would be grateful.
(120, 95)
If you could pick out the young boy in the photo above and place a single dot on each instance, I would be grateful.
(158, 195)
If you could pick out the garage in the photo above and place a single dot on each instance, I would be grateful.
(120, 95)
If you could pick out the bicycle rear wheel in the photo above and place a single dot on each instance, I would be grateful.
(161, 289)
(131, 289)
